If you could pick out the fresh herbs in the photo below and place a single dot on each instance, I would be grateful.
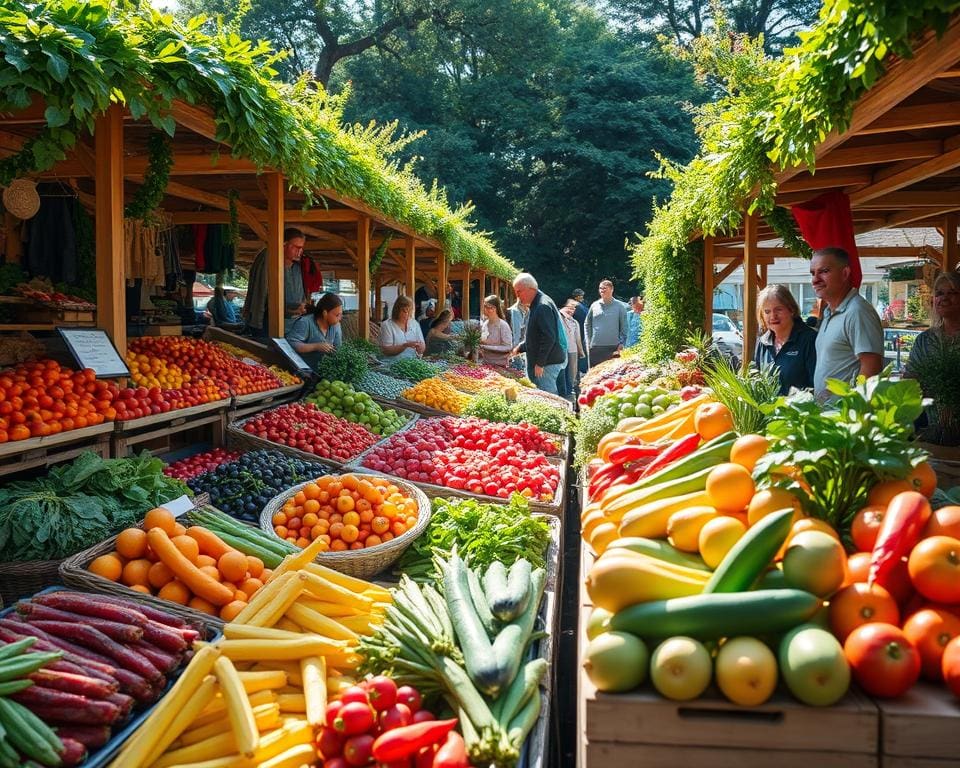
(78, 505)
(830, 458)
(413, 369)
(150, 193)
(349, 364)
(493, 406)
(482, 533)
(744, 394)
(594, 424)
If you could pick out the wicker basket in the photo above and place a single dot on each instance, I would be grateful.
(362, 563)
(27, 578)
(74, 573)
(239, 440)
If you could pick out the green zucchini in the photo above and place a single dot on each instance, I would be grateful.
(480, 603)
(508, 597)
(24, 664)
(750, 556)
(661, 550)
(718, 615)
(772, 579)
(524, 685)
(512, 641)
(478, 656)
(495, 582)
(524, 720)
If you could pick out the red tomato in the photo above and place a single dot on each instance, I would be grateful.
(883, 661)
(950, 666)
(930, 629)
(357, 750)
(865, 527)
(396, 716)
(354, 718)
(859, 604)
(407, 694)
(330, 743)
(934, 568)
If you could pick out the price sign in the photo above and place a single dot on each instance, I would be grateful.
(291, 354)
(92, 348)
(179, 506)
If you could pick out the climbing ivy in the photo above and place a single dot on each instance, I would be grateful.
(771, 114)
(150, 194)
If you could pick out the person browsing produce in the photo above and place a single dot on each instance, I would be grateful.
(496, 338)
(319, 333)
(439, 340)
(400, 336)
(785, 341)
(254, 312)
(605, 325)
(850, 337)
(546, 352)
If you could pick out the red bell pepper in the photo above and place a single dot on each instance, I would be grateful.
(407, 740)
(906, 516)
(628, 452)
(682, 447)
(452, 753)
(603, 479)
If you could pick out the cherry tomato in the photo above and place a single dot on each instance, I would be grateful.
(354, 718)
(883, 661)
(382, 692)
(407, 694)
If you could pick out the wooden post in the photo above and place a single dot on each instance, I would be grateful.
(363, 275)
(708, 286)
(465, 298)
(762, 283)
(275, 298)
(951, 250)
(441, 281)
(378, 297)
(749, 288)
(410, 262)
(495, 288)
(111, 266)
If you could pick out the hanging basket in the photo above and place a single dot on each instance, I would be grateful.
(21, 199)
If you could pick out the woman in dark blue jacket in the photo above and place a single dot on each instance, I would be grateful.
(785, 340)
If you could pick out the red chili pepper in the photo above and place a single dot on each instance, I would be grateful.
(679, 449)
(603, 479)
(906, 516)
(410, 739)
(453, 753)
(624, 453)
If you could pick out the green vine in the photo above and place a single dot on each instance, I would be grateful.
(901, 274)
(80, 56)
(376, 259)
(783, 223)
(150, 194)
(772, 114)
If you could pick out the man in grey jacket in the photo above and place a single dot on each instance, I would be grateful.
(606, 325)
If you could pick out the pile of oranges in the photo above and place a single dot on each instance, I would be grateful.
(227, 577)
(346, 512)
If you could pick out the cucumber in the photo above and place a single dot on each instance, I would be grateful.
(495, 582)
(522, 688)
(510, 601)
(478, 657)
(750, 556)
(661, 550)
(480, 603)
(512, 641)
(707, 617)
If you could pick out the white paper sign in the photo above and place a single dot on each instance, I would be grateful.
(179, 506)
(291, 354)
(92, 348)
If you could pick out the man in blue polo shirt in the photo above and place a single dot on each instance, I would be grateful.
(850, 337)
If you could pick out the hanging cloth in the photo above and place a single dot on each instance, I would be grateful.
(825, 222)
(52, 243)
(143, 259)
(312, 276)
(199, 245)
(218, 251)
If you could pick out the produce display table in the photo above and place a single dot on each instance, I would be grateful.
(921, 729)
(247, 405)
(19, 455)
(157, 429)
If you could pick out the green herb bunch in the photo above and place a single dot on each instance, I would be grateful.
(594, 424)
(744, 394)
(831, 458)
(349, 364)
(493, 406)
(413, 369)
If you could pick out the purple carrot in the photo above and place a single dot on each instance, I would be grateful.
(123, 702)
(59, 706)
(82, 685)
(74, 752)
(95, 640)
(91, 736)
(90, 605)
(165, 638)
(147, 610)
(122, 633)
(165, 662)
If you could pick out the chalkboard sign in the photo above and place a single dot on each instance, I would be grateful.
(291, 354)
(92, 348)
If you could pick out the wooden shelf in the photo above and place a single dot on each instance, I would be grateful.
(28, 326)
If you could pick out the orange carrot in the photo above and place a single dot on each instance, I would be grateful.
(196, 580)
(209, 543)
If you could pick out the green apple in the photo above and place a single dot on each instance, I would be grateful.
(746, 671)
(616, 661)
(680, 668)
(814, 562)
(814, 666)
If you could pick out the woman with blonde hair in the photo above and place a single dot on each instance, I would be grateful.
(400, 336)
(785, 340)
(496, 338)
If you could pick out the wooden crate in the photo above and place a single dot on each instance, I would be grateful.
(157, 432)
(247, 405)
(34, 452)
(162, 329)
(921, 729)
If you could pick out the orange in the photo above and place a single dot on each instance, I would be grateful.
(811, 524)
(934, 567)
(212, 571)
(136, 572)
(350, 482)
(203, 560)
(712, 420)
(943, 522)
(351, 518)
(254, 566)
(345, 503)
(107, 567)
(231, 610)
(279, 518)
(141, 589)
(179, 530)
(381, 524)
(309, 520)
(866, 526)
(250, 586)
(747, 449)
(311, 507)
(923, 478)
(281, 531)
(372, 540)
(310, 491)
(349, 533)
(861, 604)
(204, 606)
(159, 574)
(338, 545)
(858, 568)
(729, 487)
(175, 591)
(159, 517)
(302, 541)
(884, 491)
(132, 543)
(770, 500)
(233, 566)
(188, 547)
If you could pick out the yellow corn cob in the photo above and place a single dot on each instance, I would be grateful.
(293, 733)
(329, 591)
(292, 702)
(279, 650)
(271, 612)
(216, 709)
(263, 596)
(293, 757)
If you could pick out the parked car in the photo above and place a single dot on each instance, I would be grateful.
(727, 337)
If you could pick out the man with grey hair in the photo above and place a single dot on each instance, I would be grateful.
(545, 345)
(606, 325)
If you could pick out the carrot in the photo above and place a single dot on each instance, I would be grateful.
(209, 543)
(198, 582)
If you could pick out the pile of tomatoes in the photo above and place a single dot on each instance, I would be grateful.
(41, 398)
(470, 454)
(305, 427)
(199, 463)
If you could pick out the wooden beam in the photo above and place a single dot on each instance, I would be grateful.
(749, 288)
(728, 270)
(378, 296)
(465, 295)
(845, 157)
(197, 119)
(931, 56)
(441, 283)
(249, 217)
(898, 200)
(708, 285)
(322, 215)
(949, 160)
(186, 192)
(274, 265)
(769, 255)
(363, 276)
(111, 266)
(915, 117)
(951, 249)
(841, 177)
(378, 216)
(410, 271)
(907, 217)
(762, 275)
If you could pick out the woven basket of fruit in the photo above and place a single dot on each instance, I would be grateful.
(389, 511)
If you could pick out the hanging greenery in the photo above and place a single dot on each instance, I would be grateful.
(233, 235)
(771, 114)
(79, 56)
(150, 194)
(376, 259)
(783, 223)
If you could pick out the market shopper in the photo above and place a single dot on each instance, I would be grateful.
(254, 312)
(496, 336)
(545, 349)
(850, 336)
(319, 333)
(605, 326)
(785, 340)
(634, 321)
(440, 341)
(222, 309)
(400, 336)
(580, 315)
(575, 349)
